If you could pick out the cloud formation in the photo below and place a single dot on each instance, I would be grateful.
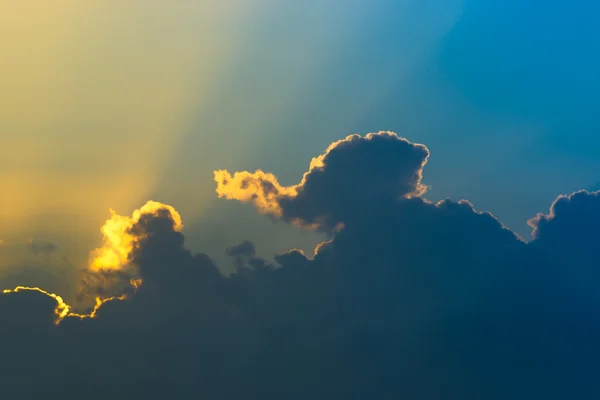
(121, 234)
(352, 174)
(112, 269)
(246, 248)
(408, 299)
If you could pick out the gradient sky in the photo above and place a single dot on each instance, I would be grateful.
(314, 199)
(110, 104)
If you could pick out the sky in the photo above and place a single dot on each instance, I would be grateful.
(155, 167)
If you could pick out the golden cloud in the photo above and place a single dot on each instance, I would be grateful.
(62, 309)
(119, 239)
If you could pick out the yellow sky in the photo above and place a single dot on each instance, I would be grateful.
(93, 98)
(108, 104)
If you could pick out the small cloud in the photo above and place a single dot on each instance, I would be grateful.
(45, 250)
(246, 248)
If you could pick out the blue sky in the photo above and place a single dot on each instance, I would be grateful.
(502, 93)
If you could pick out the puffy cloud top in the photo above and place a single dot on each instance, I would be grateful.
(572, 219)
(352, 175)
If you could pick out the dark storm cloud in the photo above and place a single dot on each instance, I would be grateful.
(409, 299)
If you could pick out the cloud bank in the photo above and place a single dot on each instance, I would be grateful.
(408, 299)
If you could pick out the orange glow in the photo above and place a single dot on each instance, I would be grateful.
(264, 191)
(114, 255)
(259, 188)
(118, 239)
(135, 283)
(99, 303)
(63, 310)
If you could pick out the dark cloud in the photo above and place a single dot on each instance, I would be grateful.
(245, 259)
(246, 248)
(351, 176)
(570, 222)
(409, 299)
